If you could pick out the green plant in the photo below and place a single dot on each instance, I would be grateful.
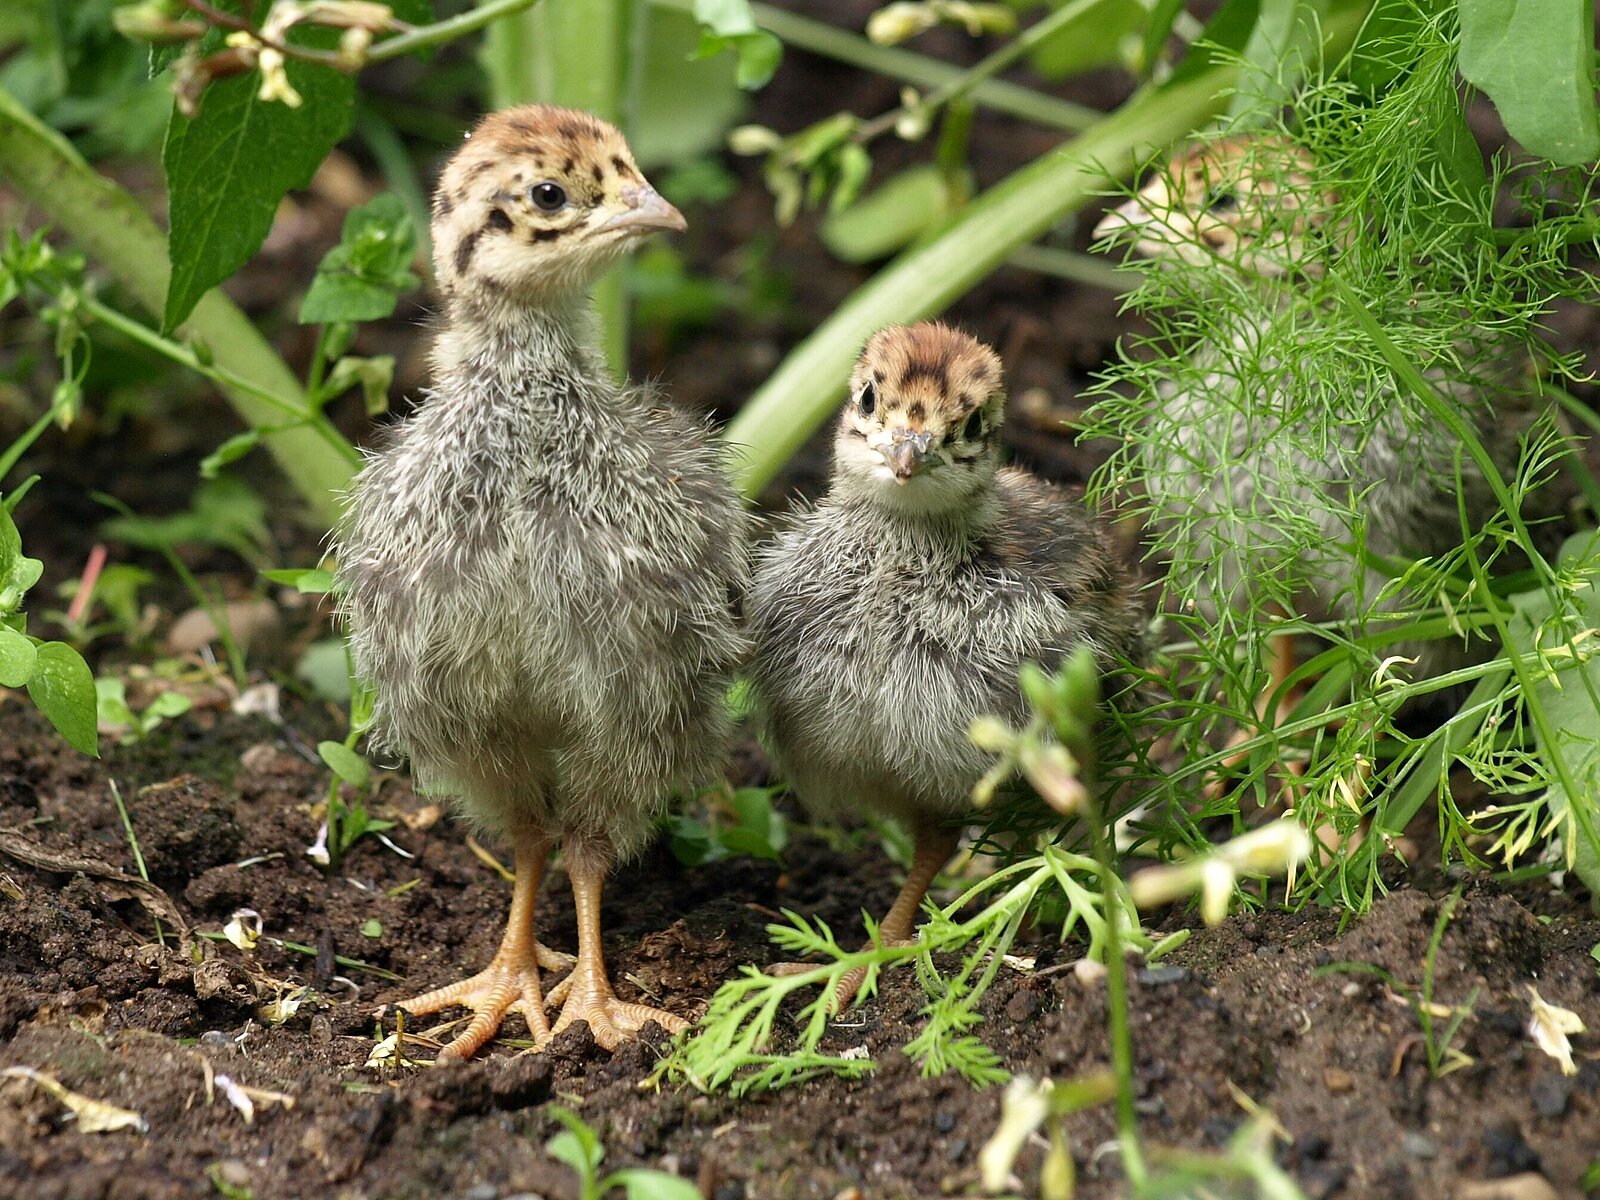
(579, 1147)
(1443, 1058)
(1410, 288)
(113, 712)
(739, 821)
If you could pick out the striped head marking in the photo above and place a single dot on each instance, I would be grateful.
(919, 429)
(538, 202)
(1248, 201)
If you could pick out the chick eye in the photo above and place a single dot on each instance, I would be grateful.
(548, 197)
(973, 429)
(868, 400)
(1221, 200)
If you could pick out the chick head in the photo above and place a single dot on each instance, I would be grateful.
(920, 429)
(538, 203)
(1246, 201)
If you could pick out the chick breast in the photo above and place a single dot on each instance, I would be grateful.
(540, 586)
(878, 640)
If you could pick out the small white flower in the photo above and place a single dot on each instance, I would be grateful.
(1549, 1027)
(317, 852)
(243, 928)
(1023, 1110)
(275, 83)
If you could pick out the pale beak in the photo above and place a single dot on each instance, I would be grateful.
(907, 453)
(1127, 219)
(647, 211)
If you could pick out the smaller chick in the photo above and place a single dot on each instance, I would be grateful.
(903, 605)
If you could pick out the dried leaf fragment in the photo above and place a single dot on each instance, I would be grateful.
(93, 1116)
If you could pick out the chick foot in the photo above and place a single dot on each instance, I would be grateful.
(510, 983)
(586, 995)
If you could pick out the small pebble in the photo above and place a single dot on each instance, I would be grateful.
(958, 1149)
(1088, 972)
(1417, 1146)
(1155, 976)
(1551, 1094)
(234, 1173)
(944, 1122)
(1338, 1081)
(1509, 1152)
(733, 1190)
(1519, 1187)
(321, 1030)
(216, 1039)
(481, 1191)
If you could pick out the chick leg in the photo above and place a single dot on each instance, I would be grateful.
(587, 993)
(510, 983)
(935, 845)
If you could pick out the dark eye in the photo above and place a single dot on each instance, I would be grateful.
(548, 197)
(1221, 200)
(973, 429)
(868, 400)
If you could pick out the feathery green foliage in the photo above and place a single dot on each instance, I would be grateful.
(1404, 295)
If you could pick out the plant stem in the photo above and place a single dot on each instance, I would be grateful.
(175, 352)
(818, 37)
(964, 82)
(578, 53)
(427, 36)
(110, 224)
(801, 394)
(1117, 1026)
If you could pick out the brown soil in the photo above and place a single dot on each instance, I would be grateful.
(221, 807)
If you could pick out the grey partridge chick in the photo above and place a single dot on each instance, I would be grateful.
(1241, 490)
(539, 563)
(903, 605)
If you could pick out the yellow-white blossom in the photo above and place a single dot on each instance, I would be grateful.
(1550, 1027)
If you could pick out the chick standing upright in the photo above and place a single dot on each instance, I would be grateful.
(538, 566)
(904, 604)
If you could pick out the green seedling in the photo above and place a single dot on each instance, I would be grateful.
(738, 821)
(1440, 1022)
(113, 712)
(578, 1146)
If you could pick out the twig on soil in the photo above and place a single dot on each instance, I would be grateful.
(122, 886)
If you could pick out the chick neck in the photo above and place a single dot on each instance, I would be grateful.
(489, 338)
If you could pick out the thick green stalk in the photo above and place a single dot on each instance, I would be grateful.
(578, 53)
(109, 224)
(790, 406)
(819, 37)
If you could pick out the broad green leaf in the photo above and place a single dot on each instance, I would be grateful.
(228, 168)
(166, 706)
(1283, 45)
(639, 1184)
(62, 688)
(111, 702)
(728, 25)
(344, 762)
(17, 658)
(361, 278)
(693, 101)
(579, 1147)
(1093, 42)
(1535, 60)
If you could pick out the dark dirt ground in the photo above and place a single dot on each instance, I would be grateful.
(88, 996)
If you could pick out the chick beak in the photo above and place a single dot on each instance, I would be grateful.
(1122, 222)
(647, 210)
(907, 453)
